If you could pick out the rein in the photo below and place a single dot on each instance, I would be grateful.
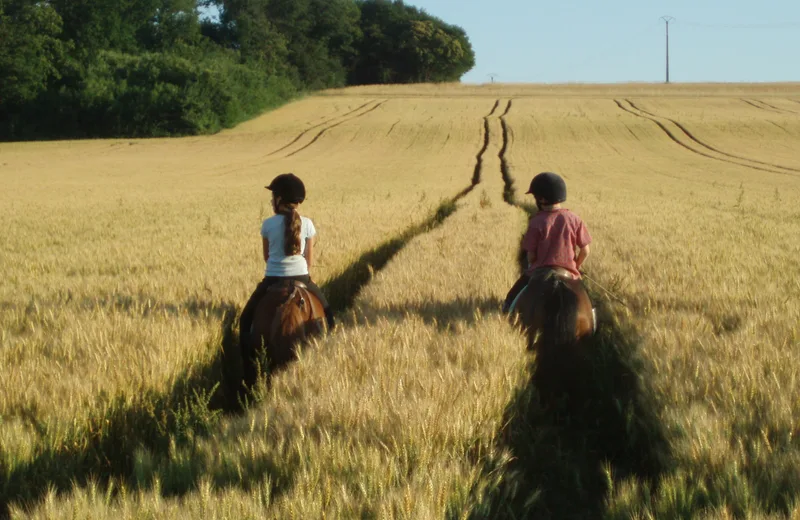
(620, 300)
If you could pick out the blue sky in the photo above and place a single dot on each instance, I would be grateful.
(623, 40)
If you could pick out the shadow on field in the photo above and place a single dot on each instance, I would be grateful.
(566, 455)
(112, 444)
(133, 440)
(343, 289)
(444, 315)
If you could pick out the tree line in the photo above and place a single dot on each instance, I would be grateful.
(149, 68)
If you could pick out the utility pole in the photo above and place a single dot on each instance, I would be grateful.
(667, 20)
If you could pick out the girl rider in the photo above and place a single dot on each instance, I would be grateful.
(288, 245)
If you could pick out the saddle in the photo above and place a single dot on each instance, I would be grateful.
(284, 292)
(544, 273)
(287, 284)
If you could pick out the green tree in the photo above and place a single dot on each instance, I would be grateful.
(402, 44)
(95, 25)
(30, 50)
(313, 39)
(92, 68)
(441, 54)
(174, 25)
(245, 27)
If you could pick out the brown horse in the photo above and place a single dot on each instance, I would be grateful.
(557, 315)
(286, 316)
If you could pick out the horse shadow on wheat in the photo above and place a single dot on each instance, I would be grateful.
(108, 447)
(562, 456)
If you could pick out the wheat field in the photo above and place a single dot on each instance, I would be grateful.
(124, 264)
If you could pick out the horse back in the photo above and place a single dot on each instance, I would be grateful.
(287, 314)
(553, 300)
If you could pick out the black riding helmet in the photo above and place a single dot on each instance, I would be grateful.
(289, 188)
(549, 187)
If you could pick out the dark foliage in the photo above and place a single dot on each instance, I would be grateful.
(141, 68)
(402, 44)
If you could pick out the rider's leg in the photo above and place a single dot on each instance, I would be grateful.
(316, 291)
(515, 290)
(314, 288)
(245, 321)
(246, 318)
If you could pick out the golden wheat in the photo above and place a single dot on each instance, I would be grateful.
(119, 258)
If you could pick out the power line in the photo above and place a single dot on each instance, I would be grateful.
(777, 25)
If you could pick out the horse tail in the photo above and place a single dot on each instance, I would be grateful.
(561, 304)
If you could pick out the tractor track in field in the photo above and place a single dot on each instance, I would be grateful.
(344, 289)
(779, 109)
(307, 130)
(494, 108)
(755, 104)
(485, 135)
(393, 127)
(446, 140)
(772, 108)
(505, 170)
(763, 105)
(507, 110)
(349, 116)
(708, 146)
(776, 125)
(331, 127)
(704, 150)
(767, 109)
(328, 117)
(509, 189)
(507, 137)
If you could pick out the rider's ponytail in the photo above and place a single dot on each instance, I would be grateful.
(291, 243)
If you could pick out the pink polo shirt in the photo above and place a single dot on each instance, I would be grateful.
(553, 236)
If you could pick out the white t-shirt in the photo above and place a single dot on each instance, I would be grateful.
(278, 263)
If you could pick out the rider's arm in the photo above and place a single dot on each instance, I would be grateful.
(530, 242)
(265, 246)
(582, 254)
(531, 257)
(308, 253)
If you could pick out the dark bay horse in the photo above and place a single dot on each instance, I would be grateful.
(556, 313)
(286, 316)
